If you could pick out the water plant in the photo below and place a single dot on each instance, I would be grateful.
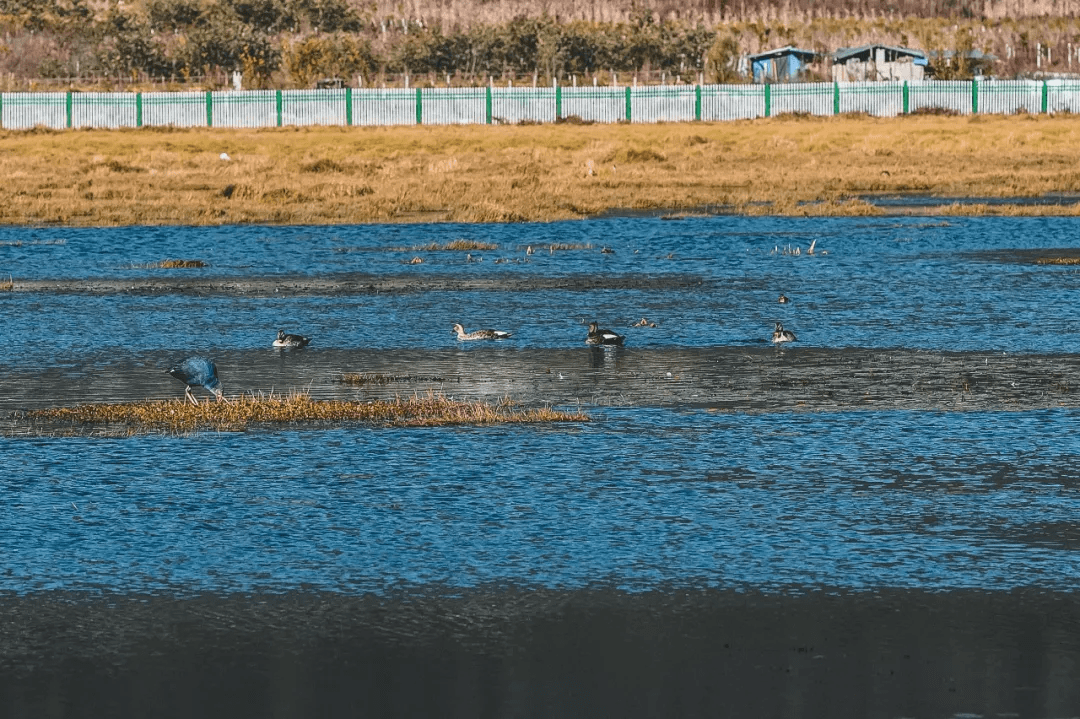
(179, 264)
(460, 244)
(176, 416)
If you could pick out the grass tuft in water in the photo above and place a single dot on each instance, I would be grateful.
(1040, 261)
(459, 244)
(7, 286)
(178, 264)
(178, 416)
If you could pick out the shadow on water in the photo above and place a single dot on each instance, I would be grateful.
(513, 653)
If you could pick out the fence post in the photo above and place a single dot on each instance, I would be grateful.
(419, 108)
(629, 105)
(907, 99)
(558, 102)
(697, 102)
(348, 107)
(487, 103)
(138, 109)
(209, 108)
(277, 104)
(1045, 98)
(768, 100)
(68, 108)
(974, 97)
(836, 98)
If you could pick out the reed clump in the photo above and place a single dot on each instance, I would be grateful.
(7, 286)
(361, 379)
(461, 245)
(177, 416)
(1052, 261)
(179, 264)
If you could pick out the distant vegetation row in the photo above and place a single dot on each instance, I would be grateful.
(284, 43)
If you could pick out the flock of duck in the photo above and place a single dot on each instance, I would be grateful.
(202, 372)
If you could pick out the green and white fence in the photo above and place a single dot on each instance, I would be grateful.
(480, 105)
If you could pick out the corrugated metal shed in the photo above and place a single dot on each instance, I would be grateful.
(784, 64)
(878, 53)
(878, 62)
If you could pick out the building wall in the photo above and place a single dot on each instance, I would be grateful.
(863, 71)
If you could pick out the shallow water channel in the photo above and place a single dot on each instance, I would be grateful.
(915, 446)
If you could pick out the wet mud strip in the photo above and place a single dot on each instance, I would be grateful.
(725, 379)
(351, 284)
(543, 653)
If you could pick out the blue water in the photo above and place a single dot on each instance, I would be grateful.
(641, 497)
(871, 283)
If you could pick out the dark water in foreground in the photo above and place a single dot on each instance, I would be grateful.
(877, 521)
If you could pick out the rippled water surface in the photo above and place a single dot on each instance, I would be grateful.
(635, 499)
(663, 488)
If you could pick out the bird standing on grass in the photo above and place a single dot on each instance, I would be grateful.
(462, 335)
(198, 372)
(284, 340)
(602, 337)
(781, 335)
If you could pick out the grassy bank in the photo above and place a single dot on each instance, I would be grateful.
(537, 172)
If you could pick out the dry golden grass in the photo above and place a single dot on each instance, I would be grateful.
(7, 286)
(459, 245)
(323, 175)
(1058, 261)
(178, 416)
(179, 264)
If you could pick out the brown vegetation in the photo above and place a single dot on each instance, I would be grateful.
(174, 44)
(177, 416)
(510, 173)
(1058, 261)
(458, 245)
(179, 264)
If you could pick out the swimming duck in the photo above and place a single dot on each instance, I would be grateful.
(284, 340)
(198, 372)
(782, 335)
(783, 299)
(602, 337)
(462, 335)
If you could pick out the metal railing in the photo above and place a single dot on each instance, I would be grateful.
(480, 105)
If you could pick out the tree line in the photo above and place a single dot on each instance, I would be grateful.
(280, 43)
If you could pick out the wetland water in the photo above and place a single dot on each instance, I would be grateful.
(879, 520)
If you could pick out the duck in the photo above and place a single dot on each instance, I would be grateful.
(783, 299)
(198, 372)
(485, 334)
(782, 335)
(602, 337)
(284, 340)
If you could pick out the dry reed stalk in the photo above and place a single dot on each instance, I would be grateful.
(7, 286)
(178, 264)
(516, 173)
(176, 416)
(460, 244)
(1058, 261)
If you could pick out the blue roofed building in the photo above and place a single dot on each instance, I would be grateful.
(785, 64)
